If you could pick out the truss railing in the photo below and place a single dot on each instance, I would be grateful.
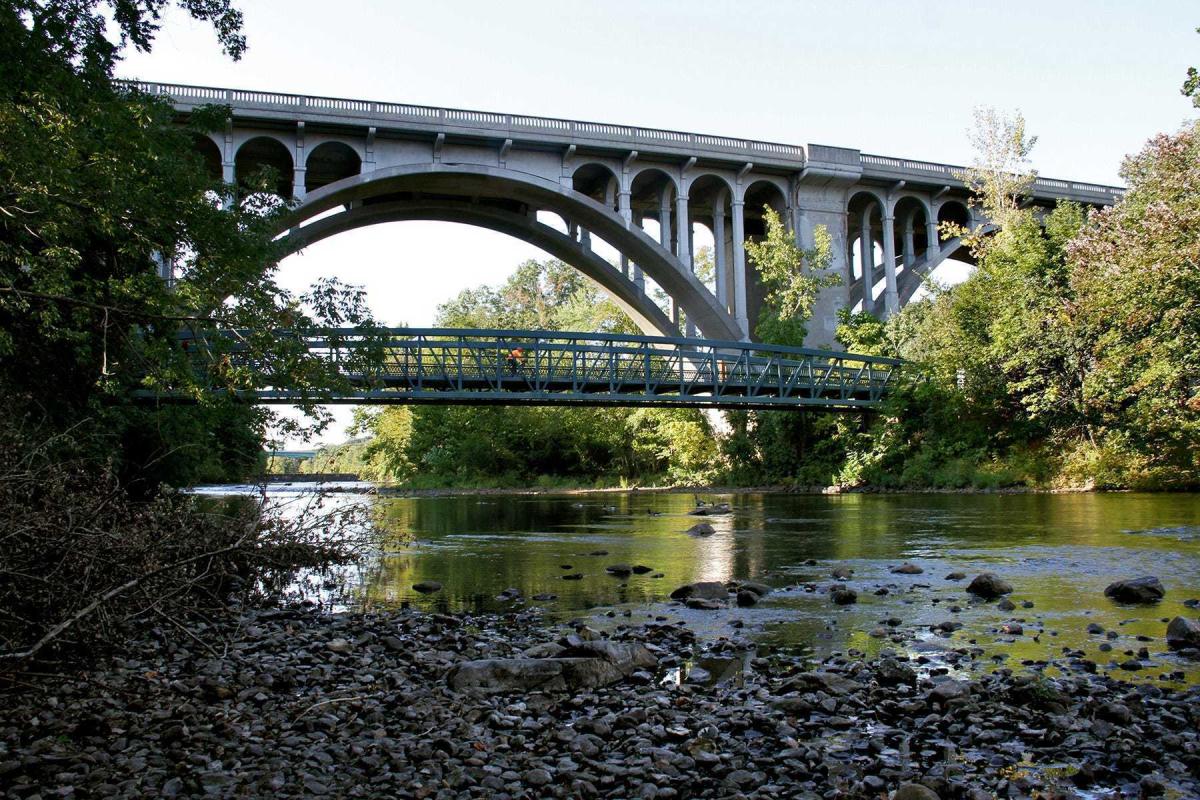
(507, 367)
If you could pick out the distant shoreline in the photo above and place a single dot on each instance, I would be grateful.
(529, 491)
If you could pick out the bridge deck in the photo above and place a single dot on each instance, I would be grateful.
(452, 366)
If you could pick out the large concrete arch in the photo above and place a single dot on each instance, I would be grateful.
(454, 185)
(648, 316)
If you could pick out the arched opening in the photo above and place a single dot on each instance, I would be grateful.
(912, 233)
(710, 205)
(597, 182)
(329, 162)
(652, 204)
(864, 226)
(209, 154)
(760, 196)
(652, 197)
(955, 212)
(262, 157)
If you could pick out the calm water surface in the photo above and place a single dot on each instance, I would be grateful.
(1058, 551)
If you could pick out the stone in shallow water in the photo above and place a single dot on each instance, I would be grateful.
(989, 586)
(843, 596)
(705, 590)
(956, 576)
(1183, 632)
(702, 529)
(907, 569)
(427, 587)
(620, 570)
(1146, 589)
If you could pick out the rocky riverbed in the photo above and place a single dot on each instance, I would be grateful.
(292, 702)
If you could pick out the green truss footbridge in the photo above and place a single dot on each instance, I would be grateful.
(446, 366)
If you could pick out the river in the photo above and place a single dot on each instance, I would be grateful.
(1058, 551)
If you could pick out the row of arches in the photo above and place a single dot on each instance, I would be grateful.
(893, 242)
(706, 212)
(326, 163)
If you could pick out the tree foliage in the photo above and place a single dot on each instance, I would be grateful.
(99, 187)
(518, 445)
(791, 276)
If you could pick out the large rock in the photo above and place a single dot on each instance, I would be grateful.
(704, 590)
(760, 589)
(509, 675)
(949, 691)
(843, 596)
(989, 586)
(1183, 632)
(915, 791)
(907, 569)
(427, 587)
(1138, 590)
(701, 529)
(583, 665)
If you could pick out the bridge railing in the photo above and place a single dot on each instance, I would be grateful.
(464, 117)
(949, 172)
(476, 365)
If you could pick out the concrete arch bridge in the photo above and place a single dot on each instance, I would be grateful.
(352, 163)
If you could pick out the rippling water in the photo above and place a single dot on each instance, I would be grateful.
(1058, 551)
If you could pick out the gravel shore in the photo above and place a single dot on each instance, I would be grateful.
(293, 702)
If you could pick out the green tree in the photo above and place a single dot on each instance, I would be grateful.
(1136, 270)
(792, 278)
(99, 186)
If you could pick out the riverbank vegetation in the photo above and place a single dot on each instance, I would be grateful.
(115, 236)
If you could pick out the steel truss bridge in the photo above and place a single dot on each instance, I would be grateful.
(446, 366)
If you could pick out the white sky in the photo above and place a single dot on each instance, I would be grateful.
(1094, 80)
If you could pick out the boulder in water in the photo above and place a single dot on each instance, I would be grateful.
(843, 596)
(989, 586)
(703, 590)
(701, 529)
(1146, 589)
(427, 587)
(1183, 632)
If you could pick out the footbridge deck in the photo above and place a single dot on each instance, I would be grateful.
(506, 367)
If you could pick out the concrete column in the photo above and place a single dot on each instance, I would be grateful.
(664, 220)
(804, 234)
(299, 164)
(626, 212)
(891, 295)
(368, 164)
(866, 254)
(739, 270)
(683, 236)
(722, 268)
(935, 244)
(585, 238)
(910, 248)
